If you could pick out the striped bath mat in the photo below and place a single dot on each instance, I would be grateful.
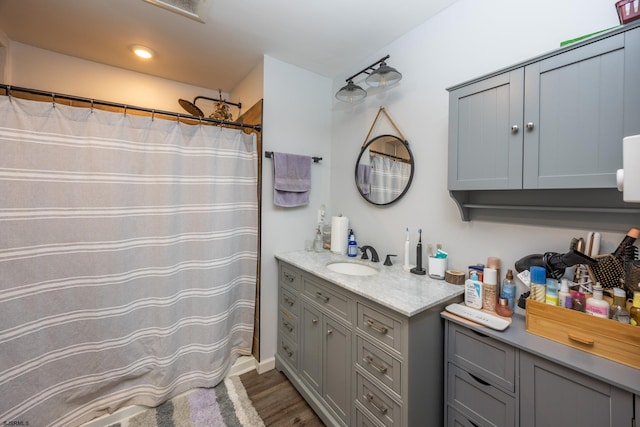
(225, 405)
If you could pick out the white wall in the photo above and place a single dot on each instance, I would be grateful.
(297, 120)
(467, 40)
(250, 89)
(36, 68)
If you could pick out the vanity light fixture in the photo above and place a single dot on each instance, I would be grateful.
(142, 51)
(383, 76)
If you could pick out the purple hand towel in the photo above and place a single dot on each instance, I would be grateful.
(291, 179)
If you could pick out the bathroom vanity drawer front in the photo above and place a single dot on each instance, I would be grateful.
(289, 352)
(289, 325)
(289, 276)
(477, 399)
(289, 300)
(456, 419)
(380, 364)
(486, 358)
(329, 298)
(384, 408)
(364, 419)
(381, 326)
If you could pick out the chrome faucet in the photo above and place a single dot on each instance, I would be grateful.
(374, 254)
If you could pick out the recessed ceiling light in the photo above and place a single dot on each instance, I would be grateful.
(142, 51)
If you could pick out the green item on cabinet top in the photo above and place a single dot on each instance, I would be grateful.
(586, 36)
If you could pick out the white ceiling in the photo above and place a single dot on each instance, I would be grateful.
(329, 37)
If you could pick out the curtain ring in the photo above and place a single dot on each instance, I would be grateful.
(153, 115)
(9, 94)
(178, 118)
(53, 99)
(91, 106)
(125, 110)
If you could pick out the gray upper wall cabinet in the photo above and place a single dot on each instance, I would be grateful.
(546, 126)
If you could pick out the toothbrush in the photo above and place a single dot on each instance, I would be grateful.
(406, 251)
(419, 250)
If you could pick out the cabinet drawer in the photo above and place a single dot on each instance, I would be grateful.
(477, 399)
(289, 352)
(486, 358)
(328, 298)
(289, 300)
(380, 326)
(456, 419)
(385, 409)
(380, 364)
(364, 419)
(289, 276)
(288, 325)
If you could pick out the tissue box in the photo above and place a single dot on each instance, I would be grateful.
(628, 10)
(602, 337)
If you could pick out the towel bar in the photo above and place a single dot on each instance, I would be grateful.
(268, 155)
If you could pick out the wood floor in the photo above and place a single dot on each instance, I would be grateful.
(278, 403)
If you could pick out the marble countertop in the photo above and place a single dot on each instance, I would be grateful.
(399, 290)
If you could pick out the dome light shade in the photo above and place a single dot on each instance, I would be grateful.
(351, 93)
(384, 76)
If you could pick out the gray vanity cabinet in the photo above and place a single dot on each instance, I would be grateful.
(355, 361)
(489, 382)
(551, 394)
(556, 122)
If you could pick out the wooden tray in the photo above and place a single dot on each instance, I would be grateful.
(603, 337)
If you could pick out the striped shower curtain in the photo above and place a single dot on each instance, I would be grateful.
(128, 251)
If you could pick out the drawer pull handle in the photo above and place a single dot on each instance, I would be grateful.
(314, 321)
(322, 297)
(481, 381)
(581, 340)
(380, 368)
(289, 301)
(381, 329)
(329, 332)
(286, 349)
(479, 334)
(289, 277)
(473, 424)
(383, 410)
(288, 326)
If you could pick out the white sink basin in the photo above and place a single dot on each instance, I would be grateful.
(352, 268)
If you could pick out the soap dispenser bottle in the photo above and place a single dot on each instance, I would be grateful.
(352, 248)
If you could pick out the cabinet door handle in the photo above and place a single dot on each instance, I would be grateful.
(515, 129)
(480, 380)
(529, 125)
(372, 325)
(322, 297)
(380, 368)
(329, 332)
(383, 409)
(289, 301)
(314, 321)
(289, 277)
(288, 326)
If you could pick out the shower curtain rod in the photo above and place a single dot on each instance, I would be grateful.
(8, 89)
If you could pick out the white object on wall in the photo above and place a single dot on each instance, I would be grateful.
(628, 178)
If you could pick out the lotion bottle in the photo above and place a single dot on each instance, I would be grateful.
(473, 292)
(508, 290)
(596, 305)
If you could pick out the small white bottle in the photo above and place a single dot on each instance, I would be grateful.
(473, 291)
(564, 293)
(596, 305)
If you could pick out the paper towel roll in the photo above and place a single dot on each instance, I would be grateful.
(339, 234)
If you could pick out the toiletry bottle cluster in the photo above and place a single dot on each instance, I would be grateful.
(484, 289)
(546, 290)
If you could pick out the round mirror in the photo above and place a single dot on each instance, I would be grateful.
(384, 169)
